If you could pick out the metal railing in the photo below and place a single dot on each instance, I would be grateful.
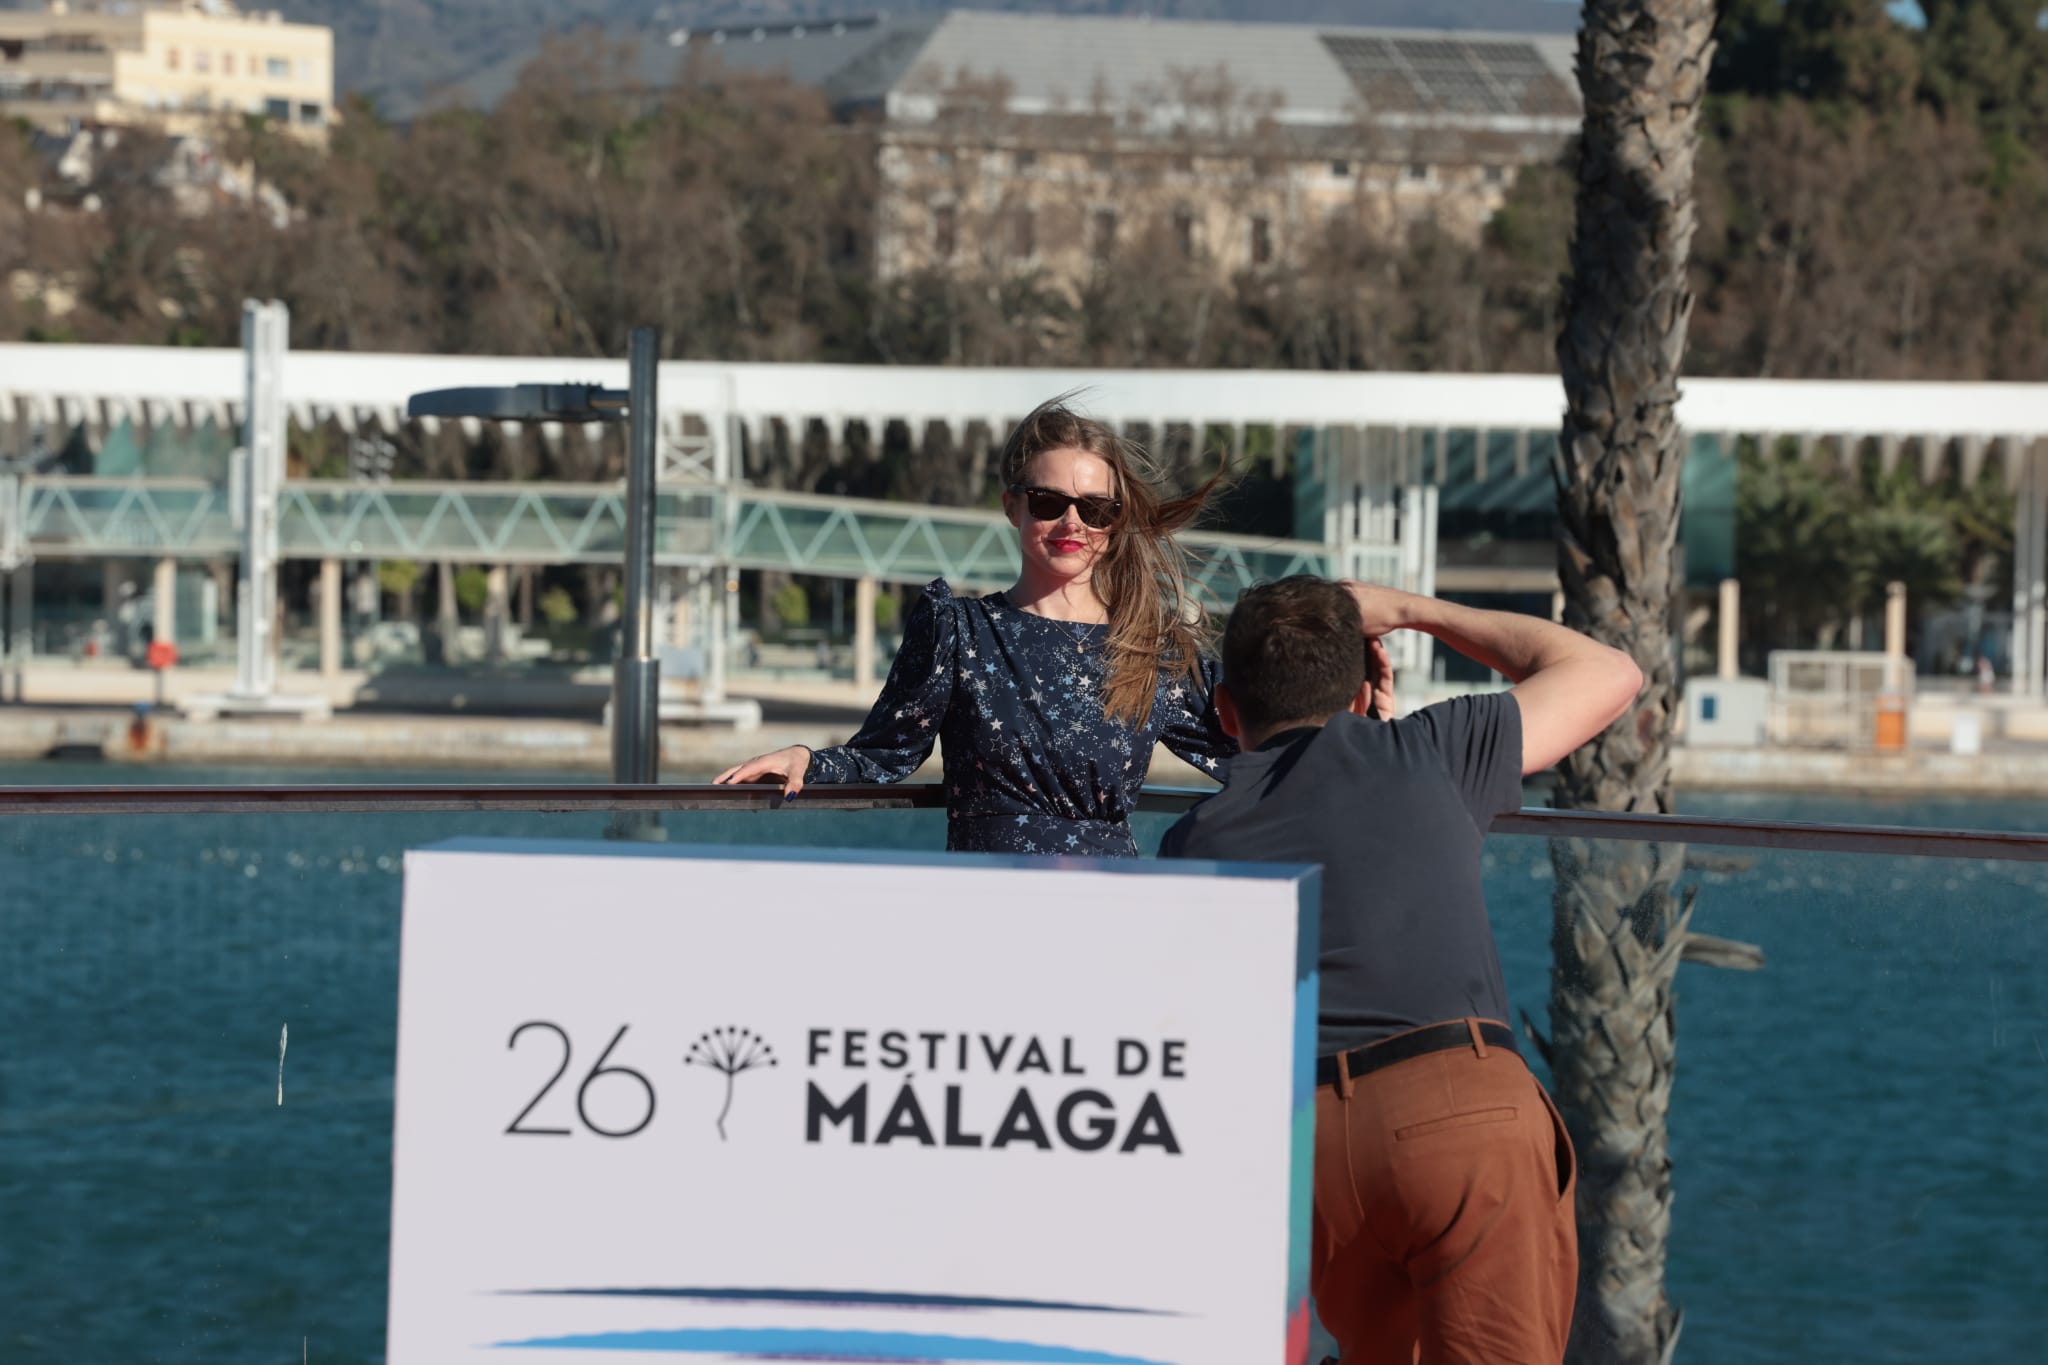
(1997, 846)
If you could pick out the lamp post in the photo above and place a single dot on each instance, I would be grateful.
(636, 676)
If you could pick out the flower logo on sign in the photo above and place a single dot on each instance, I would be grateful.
(729, 1051)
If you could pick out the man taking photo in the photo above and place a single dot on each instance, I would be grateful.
(1443, 1228)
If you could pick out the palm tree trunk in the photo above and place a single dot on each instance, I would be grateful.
(1618, 927)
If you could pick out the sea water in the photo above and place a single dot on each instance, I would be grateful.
(1859, 1132)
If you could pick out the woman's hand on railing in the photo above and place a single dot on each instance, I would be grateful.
(787, 766)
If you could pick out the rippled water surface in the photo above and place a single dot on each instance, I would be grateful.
(1859, 1132)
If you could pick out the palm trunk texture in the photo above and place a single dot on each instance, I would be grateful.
(1619, 928)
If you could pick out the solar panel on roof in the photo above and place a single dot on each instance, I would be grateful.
(1449, 76)
(1525, 77)
(1378, 75)
(1453, 81)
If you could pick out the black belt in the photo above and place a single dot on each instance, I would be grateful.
(1415, 1043)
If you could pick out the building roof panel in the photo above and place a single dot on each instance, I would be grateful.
(1054, 62)
(1302, 73)
(1316, 74)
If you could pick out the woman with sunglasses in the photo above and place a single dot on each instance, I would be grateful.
(1049, 697)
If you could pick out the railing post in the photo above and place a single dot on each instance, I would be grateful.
(636, 677)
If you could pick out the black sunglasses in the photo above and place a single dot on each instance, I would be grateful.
(1098, 510)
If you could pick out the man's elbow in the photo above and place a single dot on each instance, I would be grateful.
(1624, 681)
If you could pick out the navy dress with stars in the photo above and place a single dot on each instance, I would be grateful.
(1032, 764)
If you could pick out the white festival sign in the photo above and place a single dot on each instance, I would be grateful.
(723, 1104)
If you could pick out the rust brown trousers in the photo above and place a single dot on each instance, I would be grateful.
(1443, 1213)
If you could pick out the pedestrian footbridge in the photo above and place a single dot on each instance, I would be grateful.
(697, 526)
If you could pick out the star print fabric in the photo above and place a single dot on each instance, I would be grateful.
(1032, 765)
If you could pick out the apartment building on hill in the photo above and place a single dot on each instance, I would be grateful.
(173, 64)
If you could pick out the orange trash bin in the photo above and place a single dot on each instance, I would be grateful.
(1891, 723)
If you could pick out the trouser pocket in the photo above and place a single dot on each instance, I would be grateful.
(1566, 1155)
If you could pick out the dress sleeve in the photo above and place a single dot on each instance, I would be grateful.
(899, 732)
(1189, 727)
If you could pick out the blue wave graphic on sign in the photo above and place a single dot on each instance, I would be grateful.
(825, 1344)
(844, 1298)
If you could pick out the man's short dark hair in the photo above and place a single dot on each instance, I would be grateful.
(1294, 651)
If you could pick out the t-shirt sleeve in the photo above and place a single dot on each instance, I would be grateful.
(1175, 840)
(1480, 738)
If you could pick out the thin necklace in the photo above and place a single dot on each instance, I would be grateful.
(1080, 639)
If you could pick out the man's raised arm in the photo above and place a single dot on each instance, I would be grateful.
(1569, 688)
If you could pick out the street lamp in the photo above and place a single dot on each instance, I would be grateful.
(636, 677)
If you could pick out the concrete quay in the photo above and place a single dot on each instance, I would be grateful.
(458, 720)
(374, 741)
(2008, 770)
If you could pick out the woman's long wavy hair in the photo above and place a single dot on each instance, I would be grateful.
(1155, 626)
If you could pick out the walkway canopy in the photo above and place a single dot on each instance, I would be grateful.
(1394, 432)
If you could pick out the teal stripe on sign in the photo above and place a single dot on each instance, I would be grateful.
(839, 1298)
(827, 1344)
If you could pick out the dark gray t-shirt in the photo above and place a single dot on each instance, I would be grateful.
(1395, 812)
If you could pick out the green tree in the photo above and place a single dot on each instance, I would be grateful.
(472, 588)
(792, 605)
(400, 578)
(1989, 58)
(1819, 541)
(557, 607)
(1793, 525)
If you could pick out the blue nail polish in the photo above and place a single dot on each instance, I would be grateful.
(789, 796)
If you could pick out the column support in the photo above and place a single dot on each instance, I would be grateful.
(2022, 548)
(1730, 632)
(864, 632)
(330, 618)
(164, 592)
(113, 577)
(447, 615)
(258, 477)
(21, 625)
(2036, 551)
(497, 611)
(1895, 667)
(721, 603)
